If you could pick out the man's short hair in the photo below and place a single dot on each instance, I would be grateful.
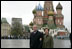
(34, 25)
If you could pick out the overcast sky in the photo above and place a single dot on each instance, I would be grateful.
(23, 9)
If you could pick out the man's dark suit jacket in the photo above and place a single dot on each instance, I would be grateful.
(35, 40)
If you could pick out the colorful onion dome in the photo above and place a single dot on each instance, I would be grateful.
(59, 6)
(39, 7)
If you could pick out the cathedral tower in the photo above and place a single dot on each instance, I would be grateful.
(47, 6)
(59, 17)
(38, 18)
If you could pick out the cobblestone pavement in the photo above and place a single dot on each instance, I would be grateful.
(22, 43)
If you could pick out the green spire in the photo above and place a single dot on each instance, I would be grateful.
(34, 11)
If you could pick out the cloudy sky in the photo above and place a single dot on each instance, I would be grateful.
(23, 9)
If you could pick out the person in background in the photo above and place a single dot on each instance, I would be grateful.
(47, 39)
(36, 38)
(70, 37)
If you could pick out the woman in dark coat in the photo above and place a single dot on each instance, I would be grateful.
(47, 40)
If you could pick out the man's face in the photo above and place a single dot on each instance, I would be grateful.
(34, 28)
(46, 31)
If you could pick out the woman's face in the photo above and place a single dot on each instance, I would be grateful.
(46, 31)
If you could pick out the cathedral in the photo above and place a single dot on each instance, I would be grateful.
(47, 17)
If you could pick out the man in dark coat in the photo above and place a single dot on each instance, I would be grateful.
(36, 38)
(70, 37)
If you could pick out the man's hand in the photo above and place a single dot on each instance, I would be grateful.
(40, 39)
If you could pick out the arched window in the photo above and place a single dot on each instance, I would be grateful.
(58, 20)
